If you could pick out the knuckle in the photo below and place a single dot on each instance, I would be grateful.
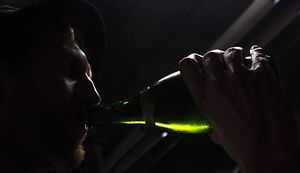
(213, 53)
(234, 52)
(186, 61)
(234, 56)
(194, 55)
(212, 56)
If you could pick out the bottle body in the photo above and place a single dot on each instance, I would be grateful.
(166, 104)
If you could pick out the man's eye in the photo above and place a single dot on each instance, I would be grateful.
(67, 68)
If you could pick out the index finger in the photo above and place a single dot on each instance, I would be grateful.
(192, 74)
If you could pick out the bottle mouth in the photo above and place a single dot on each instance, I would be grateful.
(91, 115)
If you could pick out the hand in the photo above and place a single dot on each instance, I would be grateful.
(251, 116)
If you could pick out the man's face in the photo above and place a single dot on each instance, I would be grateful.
(42, 106)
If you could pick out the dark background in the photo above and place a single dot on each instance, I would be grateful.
(145, 41)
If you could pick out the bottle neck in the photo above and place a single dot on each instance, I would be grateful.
(125, 110)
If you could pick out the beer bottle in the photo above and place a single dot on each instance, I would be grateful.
(166, 104)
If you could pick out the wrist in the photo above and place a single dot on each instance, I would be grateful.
(274, 160)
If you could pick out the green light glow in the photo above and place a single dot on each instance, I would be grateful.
(123, 102)
(132, 122)
(188, 128)
(181, 128)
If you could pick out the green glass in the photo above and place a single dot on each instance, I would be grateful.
(166, 104)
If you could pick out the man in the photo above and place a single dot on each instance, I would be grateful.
(47, 57)
(46, 83)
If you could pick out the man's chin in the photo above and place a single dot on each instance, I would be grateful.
(67, 162)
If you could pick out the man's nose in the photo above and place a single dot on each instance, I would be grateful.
(86, 93)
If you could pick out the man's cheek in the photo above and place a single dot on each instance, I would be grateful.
(70, 84)
(56, 90)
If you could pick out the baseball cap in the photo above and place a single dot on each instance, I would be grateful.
(16, 22)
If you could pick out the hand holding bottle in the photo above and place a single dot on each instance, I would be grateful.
(251, 116)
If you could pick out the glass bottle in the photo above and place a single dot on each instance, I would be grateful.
(165, 104)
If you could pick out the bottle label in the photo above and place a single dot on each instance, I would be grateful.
(147, 107)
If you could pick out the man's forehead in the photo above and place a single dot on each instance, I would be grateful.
(62, 43)
(54, 36)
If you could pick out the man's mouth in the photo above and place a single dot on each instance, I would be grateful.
(82, 123)
(83, 118)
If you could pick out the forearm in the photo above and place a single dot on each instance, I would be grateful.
(278, 159)
(261, 165)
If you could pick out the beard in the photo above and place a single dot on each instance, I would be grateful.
(41, 134)
(63, 161)
(54, 144)
(61, 145)
(58, 154)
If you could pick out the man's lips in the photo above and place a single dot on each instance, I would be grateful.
(82, 123)
(76, 125)
(77, 130)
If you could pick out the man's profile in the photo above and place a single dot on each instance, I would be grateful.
(46, 83)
